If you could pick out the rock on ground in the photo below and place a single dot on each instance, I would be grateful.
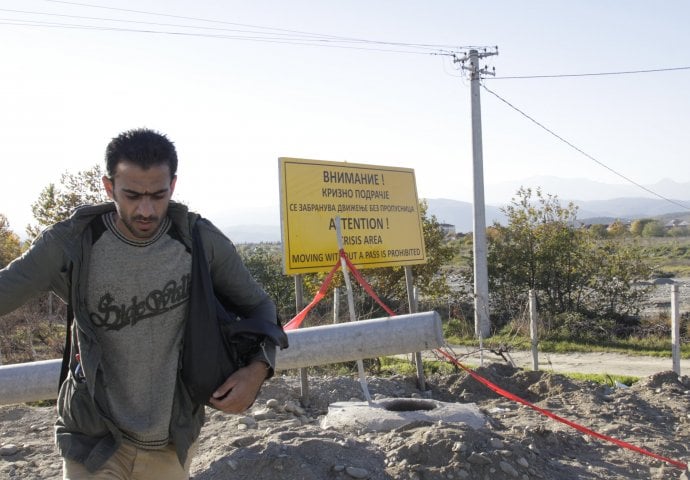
(282, 438)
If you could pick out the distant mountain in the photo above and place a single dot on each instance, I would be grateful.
(584, 190)
(252, 233)
(597, 202)
(630, 208)
(460, 213)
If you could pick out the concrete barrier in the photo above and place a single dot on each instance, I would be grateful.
(343, 342)
(29, 382)
(311, 346)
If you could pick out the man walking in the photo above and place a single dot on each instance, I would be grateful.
(123, 411)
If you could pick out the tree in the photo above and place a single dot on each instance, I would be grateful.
(653, 229)
(10, 246)
(679, 232)
(618, 229)
(541, 249)
(610, 289)
(638, 225)
(598, 230)
(56, 203)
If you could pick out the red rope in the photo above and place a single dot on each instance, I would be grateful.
(364, 284)
(299, 318)
(549, 414)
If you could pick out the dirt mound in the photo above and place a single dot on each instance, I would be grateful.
(281, 438)
(668, 379)
(529, 385)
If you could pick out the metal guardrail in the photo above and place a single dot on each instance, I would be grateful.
(340, 342)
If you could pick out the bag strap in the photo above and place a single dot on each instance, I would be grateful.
(237, 324)
(96, 230)
(68, 348)
(68, 336)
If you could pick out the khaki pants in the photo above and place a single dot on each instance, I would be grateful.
(132, 463)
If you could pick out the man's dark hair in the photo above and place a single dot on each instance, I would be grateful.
(143, 147)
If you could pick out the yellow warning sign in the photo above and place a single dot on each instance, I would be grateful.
(376, 208)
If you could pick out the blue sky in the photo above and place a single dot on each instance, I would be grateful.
(233, 106)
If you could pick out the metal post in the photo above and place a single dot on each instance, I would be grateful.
(412, 303)
(533, 329)
(299, 293)
(675, 328)
(351, 307)
(336, 305)
(303, 375)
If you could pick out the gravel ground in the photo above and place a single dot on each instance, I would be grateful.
(281, 438)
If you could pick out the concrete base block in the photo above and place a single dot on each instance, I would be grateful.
(387, 414)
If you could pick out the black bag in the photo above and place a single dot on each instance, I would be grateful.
(217, 342)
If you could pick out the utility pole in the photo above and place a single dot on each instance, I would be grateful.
(482, 324)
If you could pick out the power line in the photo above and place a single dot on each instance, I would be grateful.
(595, 74)
(138, 22)
(297, 37)
(259, 34)
(256, 38)
(274, 29)
(311, 38)
(571, 145)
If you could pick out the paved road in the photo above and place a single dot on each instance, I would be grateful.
(597, 362)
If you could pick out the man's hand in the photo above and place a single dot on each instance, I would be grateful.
(239, 391)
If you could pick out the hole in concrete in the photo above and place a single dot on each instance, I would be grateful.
(409, 405)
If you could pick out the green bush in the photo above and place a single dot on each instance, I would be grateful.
(576, 326)
(457, 328)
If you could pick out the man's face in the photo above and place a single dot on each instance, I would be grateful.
(141, 198)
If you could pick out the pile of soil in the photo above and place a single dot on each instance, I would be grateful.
(280, 437)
